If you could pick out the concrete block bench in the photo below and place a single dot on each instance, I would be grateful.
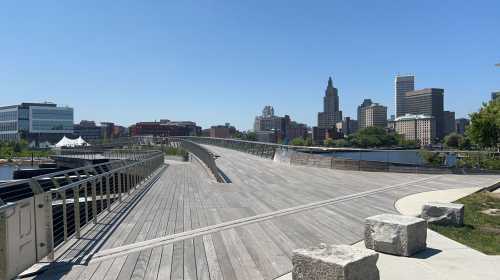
(443, 213)
(334, 262)
(395, 234)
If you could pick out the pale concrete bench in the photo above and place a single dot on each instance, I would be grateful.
(443, 213)
(395, 234)
(334, 262)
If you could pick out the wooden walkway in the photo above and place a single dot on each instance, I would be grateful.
(186, 202)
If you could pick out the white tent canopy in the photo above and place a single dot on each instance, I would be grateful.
(66, 142)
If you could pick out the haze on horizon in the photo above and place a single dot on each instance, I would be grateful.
(222, 61)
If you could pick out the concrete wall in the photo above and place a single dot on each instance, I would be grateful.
(315, 160)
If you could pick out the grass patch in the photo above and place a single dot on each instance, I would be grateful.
(481, 231)
(172, 151)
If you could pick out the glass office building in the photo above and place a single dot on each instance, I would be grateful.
(35, 122)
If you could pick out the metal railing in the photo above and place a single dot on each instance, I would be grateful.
(91, 153)
(207, 157)
(44, 212)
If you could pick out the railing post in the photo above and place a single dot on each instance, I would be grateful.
(108, 189)
(65, 216)
(119, 174)
(76, 204)
(94, 201)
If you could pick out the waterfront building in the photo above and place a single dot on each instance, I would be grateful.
(495, 95)
(347, 126)
(283, 128)
(373, 115)
(267, 136)
(428, 101)
(219, 131)
(419, 128)
(88, 130)
(362, 112)
(165, 128)
(448, 122)
(296, 130)
(461, 125)
(402, 85)
(331, 113)
(35, 122)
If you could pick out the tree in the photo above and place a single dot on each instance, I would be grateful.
(373, 137)
(308, 141)
(298, 141)
(328, 142)
(453, 140)
(484, 128)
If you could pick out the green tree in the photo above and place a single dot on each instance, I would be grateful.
(484, 128)
(308, 141)
(251, 136)
(329, 142)
(298, 141)
(341, 143)
(373, 137)
(453, 140)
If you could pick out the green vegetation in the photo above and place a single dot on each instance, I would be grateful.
(372, 137)
(9, 150)
(299, 141)
(484, 128)
(432, 158)
(247, 136)
(481, 231)
(480, 160)
(457, 141)
(173, 151)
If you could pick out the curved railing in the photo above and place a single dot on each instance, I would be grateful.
(204, 155)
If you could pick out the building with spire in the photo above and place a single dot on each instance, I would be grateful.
(331, 113)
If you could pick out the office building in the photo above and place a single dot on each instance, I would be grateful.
(448, 122)
(219, 131)
(373, 115)
(461, 125)
(88, 130)
(428, 101)
(35, 122)
(331, 113)
(283, 128)
(495, 95)
(347, 126)
(361, 112)
(296, 130)
(402, 85)
(268, 136)
(165, 128)
(419, 128)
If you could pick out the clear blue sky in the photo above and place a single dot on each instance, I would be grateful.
(222, 61)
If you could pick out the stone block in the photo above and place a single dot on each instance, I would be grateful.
(395, 234)
(443, 213)
(335, 262)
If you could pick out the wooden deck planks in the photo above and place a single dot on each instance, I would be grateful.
(185, 198)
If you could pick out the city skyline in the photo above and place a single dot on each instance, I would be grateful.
(143, 61)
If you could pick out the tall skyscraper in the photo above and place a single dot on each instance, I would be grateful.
(448, 122)
(331, 113)
(428, 101)
(402, 85)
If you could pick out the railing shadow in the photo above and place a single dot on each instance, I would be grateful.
(62, 265)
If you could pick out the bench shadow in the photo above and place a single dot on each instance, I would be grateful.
(427, 253)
